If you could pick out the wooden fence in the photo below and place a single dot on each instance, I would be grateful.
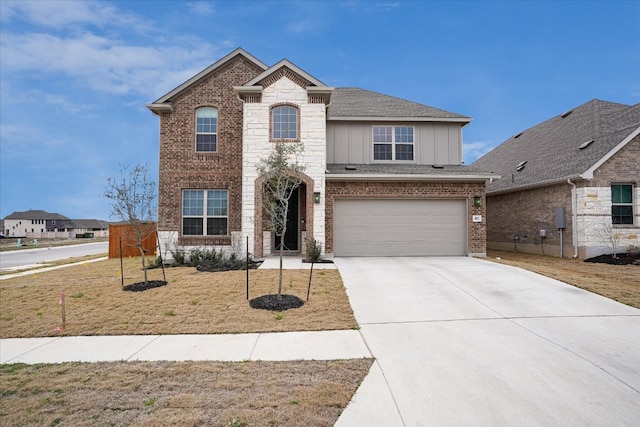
(129, 248)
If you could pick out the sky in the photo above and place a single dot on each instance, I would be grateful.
(75, 75)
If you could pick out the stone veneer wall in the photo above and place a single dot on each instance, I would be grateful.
(257, 146)
(476, 232)
(594, 203)
(181, 167)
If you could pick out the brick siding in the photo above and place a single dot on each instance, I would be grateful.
(476, 238)
(523, 214)
(181, 167)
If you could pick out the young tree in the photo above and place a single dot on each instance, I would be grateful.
(133, 200)
(281, 172)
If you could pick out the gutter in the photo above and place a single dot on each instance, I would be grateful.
(160, 108)
(574, 217)
(408, 177)
(464, 120)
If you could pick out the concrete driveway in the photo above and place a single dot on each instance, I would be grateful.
(463, 341)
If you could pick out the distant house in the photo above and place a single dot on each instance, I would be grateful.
(582, 166)
(42, 224)
(384, 176)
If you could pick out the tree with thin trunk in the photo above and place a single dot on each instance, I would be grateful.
(281, 173)
(133, 200)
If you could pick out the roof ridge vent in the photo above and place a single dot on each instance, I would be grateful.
(521, 166)
(585, 144)
(566, 113)
(518, 135)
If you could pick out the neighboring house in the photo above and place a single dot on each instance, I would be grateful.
(585, 163)
(42, 224)
(383, 176)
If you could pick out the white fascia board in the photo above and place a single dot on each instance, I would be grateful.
(248, 89)
(208, 70)
(464, 120)
(588, 174)
(407, 177)
(321, 89)
(166, 107)
(289, 65)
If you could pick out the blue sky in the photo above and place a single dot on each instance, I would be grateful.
(75, 76)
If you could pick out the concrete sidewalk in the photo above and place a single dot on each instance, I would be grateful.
(319, 345)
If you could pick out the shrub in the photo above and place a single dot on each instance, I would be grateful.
(633, 249)
(314, 250)
(178, 256)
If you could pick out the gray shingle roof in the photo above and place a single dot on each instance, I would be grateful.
(354, 102)
(35, 214)
(89, 224)
(405, 169)
(551, 149)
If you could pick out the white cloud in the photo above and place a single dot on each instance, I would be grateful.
(61, 14)
(201, 8)
(476, 149)
(104, 64)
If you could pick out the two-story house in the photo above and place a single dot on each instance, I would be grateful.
(383, 176)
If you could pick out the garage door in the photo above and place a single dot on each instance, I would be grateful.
(399, 227)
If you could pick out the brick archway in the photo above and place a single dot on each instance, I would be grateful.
(258, 226)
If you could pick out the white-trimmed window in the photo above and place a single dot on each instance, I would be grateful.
(393, 143)
(207, 129)
(284, 123)
(622, 204)
(205, 212)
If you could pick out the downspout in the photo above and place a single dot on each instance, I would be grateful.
(574, 217)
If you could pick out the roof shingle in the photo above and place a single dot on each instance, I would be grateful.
(552, 148)
(354, 102)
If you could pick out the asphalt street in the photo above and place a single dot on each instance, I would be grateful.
(11, 260)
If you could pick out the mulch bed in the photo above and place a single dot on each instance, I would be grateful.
(620, 259)
(142, 286)
(213, 267)
(275, 302)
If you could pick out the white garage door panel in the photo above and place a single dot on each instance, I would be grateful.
(399, 227)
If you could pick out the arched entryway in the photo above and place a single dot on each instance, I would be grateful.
(299, 221)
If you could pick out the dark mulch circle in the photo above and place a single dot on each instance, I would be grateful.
(141, 286)
(276, 302)
(620, 259)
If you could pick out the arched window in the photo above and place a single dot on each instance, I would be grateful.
(284, 123)
(206, 129)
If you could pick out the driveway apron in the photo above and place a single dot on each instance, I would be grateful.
(464, 341)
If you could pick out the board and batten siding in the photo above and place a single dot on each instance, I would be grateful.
(434, 143)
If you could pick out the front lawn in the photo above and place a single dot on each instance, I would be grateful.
(192, 302)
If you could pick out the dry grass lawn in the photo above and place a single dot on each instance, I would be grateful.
(306, 393)
(192, 302)
(618, 282)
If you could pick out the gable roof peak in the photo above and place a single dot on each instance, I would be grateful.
(278, 67)
(219, 63)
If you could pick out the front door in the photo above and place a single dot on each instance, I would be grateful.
(291, 235)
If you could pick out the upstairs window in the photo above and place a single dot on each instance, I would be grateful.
(205, 212)
(207, 129)
(393, 143)
(622, 204)
(284, 123)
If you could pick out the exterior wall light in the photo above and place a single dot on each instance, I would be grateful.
(316, 197)
(477, 201)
